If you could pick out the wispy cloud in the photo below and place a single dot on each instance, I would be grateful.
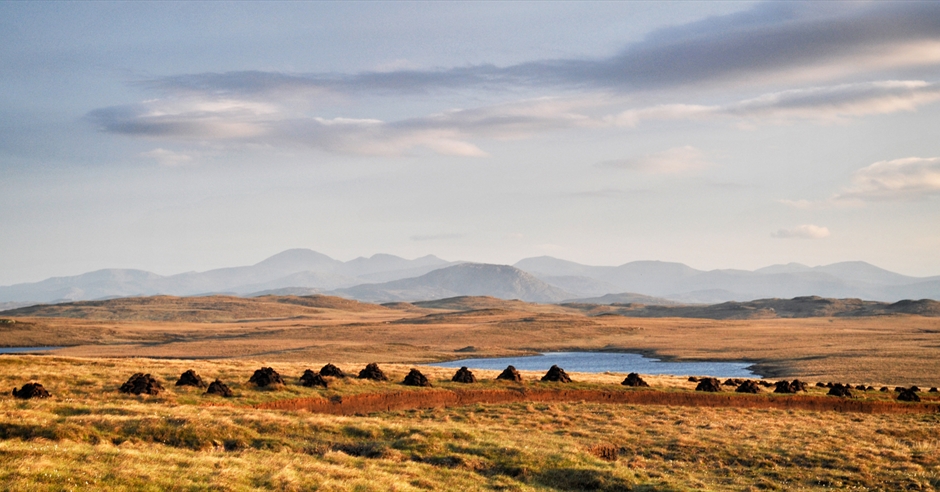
(898, 179)
(672, 161)
(446, 133)
(803, 41)
(827, 103)
(806, 231)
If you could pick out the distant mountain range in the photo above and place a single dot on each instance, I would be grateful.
(388, 278)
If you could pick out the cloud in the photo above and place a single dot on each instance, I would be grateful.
(803, 42)
(672, 161)
(828, 103)
(898, 179)
(806, 231)
(447, 133)
(435, 237)
(168, 157)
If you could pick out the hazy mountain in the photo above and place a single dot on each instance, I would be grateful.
(681, 283)
(579, 285)
(466, 279)
(292, 268)
(547, 280)
(624, 298)
(92, 285)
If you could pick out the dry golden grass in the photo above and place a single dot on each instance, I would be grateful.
(894, 350)
(89, 436)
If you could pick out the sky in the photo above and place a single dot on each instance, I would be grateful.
(176, 136)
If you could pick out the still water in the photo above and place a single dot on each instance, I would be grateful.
(28, 350)
(608, 361)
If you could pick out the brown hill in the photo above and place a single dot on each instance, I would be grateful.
(193, 309)
(798, 307)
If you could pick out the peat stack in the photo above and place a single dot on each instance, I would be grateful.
(841, 391)
(510, 374)
(332, 371)
(141, 384)
(415, 378)
(265, 376)
(908, 394)
(748, 387)
(190, 378)
(31, 390)
(311, 379)
(373, 372)
(634, 380)
(794, 386)
(557, 375)
(217, 387)
(711, 385)
(463, 375)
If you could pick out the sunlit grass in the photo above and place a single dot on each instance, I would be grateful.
(89, 436)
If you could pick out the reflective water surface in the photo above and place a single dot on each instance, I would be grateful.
(608, 361)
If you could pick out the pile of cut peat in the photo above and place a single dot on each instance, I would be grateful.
(510, 374)
(372, 371)
(311, 379)
(190, 378)
(557, 375)
(265, 376)
(748, 387)
(330, 370)
(31, 390)
(141, 384)
(711, 385)
(463, 375)
(415, 378)
(634, 380)
(219, 388)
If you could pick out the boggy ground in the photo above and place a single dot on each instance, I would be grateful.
(894, 350)
(89, 436)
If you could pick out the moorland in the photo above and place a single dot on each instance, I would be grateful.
(89, 435)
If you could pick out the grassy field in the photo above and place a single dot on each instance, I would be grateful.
(894, 350)
(90, 436)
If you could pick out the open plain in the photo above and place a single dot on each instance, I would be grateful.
(89, 435)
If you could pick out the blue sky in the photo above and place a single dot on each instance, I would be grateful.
(188, 136)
